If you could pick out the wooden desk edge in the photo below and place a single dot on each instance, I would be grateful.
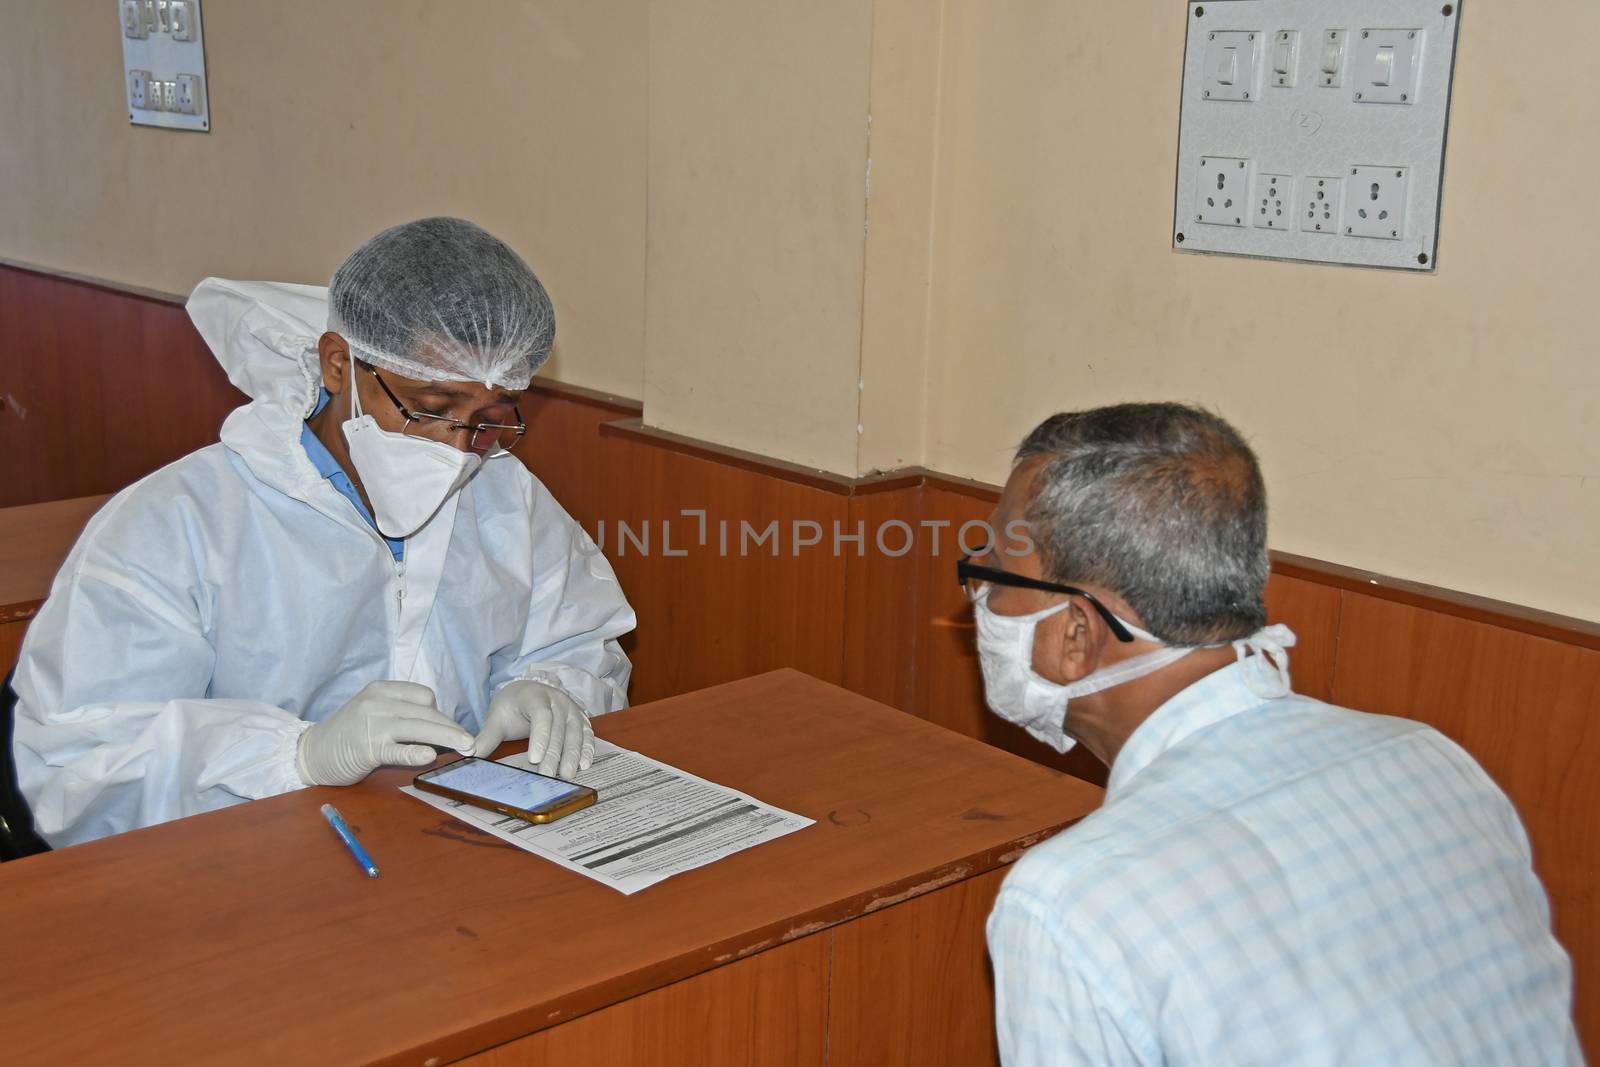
(1065, 801)
(56, 524)
(19, 612)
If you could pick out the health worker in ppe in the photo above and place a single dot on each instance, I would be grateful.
(357, 575)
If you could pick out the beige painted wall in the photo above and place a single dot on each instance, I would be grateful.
(1439, 428)
(331, 121)
(907, 54)
(758, 148)
(690, 177)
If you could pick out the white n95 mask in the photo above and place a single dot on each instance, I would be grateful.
(407, 479)
(1016, 693)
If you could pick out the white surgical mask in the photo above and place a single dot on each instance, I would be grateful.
(1018, 694)
(407, 479)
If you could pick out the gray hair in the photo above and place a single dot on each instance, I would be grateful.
(1162, 504)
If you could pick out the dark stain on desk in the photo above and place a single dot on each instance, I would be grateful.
(467, 932)
(979, 815)
(452, 830)
(850, 818)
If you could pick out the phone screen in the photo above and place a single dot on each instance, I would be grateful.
(511, 786)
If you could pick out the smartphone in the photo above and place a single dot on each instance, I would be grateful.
(486, 784)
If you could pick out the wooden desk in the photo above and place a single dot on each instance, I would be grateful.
(249, 935)
(34, 539)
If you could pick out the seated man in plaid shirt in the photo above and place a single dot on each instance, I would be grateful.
(1272, 880)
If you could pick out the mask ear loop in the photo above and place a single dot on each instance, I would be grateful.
(982, 597)
(355, 394)
(1271, 643)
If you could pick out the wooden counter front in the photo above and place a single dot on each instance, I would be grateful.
(34, 539)
(249, 935)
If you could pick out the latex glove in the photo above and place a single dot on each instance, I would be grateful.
(560, 739)
(387, 724)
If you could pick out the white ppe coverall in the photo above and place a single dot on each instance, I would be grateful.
(212, 611)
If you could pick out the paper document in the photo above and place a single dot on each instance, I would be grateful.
(651, 822)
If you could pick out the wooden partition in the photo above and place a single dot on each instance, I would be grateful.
(658, 512)
(98, 387)
(1520, 689)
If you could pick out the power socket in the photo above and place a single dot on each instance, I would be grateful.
(1375, 205)
(1274, 202)
(187, 94)
(1222, 190)
(1319, 200)
(139, 89)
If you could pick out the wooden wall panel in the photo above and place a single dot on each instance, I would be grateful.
(712, 615)
(952, 692)
(885, 630)
(563, 447)
(100, 388)
(1528, 709)
(912, 985)
(769, 1009)
(1312, 612)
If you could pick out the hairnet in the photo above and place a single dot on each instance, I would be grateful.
(441, 299)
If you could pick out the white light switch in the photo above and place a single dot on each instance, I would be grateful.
(1232, 64)
(133, 20)
(1285, 57)
(180, 13)
(1386, 66)
(1331, 74)
(1382, 66)
(1227, 66)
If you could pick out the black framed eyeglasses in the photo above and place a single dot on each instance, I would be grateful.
(971, 576)
(504, 437)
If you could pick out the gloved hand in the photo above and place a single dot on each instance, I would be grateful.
(560, 739)
(386, 724)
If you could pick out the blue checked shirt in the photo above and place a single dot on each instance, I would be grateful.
(1282, 882)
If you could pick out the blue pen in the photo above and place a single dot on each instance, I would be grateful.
(336, 821)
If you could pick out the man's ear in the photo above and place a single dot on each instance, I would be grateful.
(1067, 645)
(334, 354)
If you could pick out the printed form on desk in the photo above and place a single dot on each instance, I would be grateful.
(650, 822)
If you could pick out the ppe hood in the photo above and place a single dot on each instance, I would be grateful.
(265, 336)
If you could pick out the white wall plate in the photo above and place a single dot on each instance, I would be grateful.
(1320, 139)
(164, 63)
